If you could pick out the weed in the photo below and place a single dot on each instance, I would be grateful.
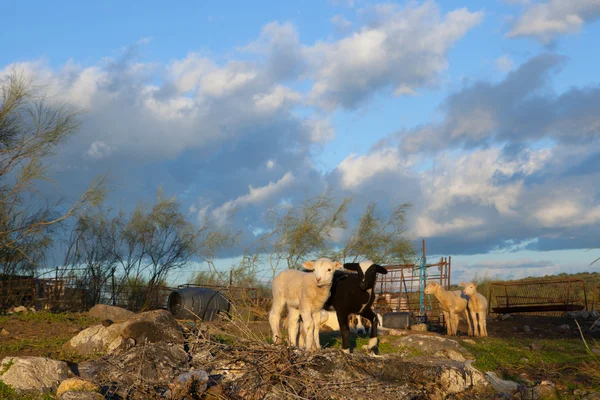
(8, 393)
(6, 366)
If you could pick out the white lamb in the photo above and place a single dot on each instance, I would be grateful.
(304, 294)
(478, 307)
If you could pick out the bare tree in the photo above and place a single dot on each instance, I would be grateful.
(380, 239)
(31, 129)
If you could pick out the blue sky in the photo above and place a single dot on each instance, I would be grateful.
(485, 115)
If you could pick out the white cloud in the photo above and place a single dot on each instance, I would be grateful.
(355, 169)
(255, 196)
(187, 73)
(426, 227)
(342, 25)
(270, 164)
(504, 63)
(279, 97)
(402, 46)
(99, 150)
(545, 21)
(320, 130)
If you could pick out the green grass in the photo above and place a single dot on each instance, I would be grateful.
(566, 361)
(8, 393)
(334, 340)
(49, 345)
(45, 316)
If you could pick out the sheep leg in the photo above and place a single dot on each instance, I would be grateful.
(475, 323)
(447, 321)
(275, 318)
(482, 323)
(317, 321)
(456, 321)
(370, 315)
(293, 315)
(468, 322)
(309, 326)
(301, 337)
(345, 331)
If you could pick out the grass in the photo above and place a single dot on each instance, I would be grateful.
(563, 361)
(8, 393)
(50, 346)
(48, 317)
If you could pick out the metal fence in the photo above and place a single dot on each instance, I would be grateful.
(538, 297)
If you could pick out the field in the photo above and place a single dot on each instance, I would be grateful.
(528, 356)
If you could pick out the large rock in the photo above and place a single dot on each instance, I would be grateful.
(35, 374)
(76, 385)
(102, 311)
(432, 345)
(148, 327)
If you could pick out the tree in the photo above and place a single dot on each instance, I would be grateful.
(382, 240)
(31, 129)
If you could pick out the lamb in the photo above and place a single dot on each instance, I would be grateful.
(452, 304)
(478, 308)
(353, 294)
(304, 294)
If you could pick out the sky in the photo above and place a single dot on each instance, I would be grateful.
(484, 115)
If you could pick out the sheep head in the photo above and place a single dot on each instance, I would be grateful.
(432, 287)
(323, 270)
(367, 272)
(469, 288)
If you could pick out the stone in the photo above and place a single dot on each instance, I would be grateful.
(32, 309)
(4, 332)
(103, 311)
(20, 309)
(526, 328)
(591, 396)
(192, 382)
(504, 317)
(470, 341)
(584, 314)
(77, 385)
(535, 346)
(107, 322)
(501, 385)
(419, 327)
(595, 314)
(433, 345)
(596, 350)
(148, 327)
(545, 390)
(574, 314)
(396, 332)
(564, 328)
(36, 374)
(74, 395)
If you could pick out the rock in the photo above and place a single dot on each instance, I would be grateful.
(193, 382)
(36, 374)
(545, 390)
(154, 363)
(103, 311)
(504, 317)
(584, 314)
(596, 350)
(4, 332)
(574, 314)
(470, 341)
(32, 309)
(526, 328)
(419, 327)
(107, 323)
(595, 314)
(564, 328)
(432, 346)
(73, 395)
(591, 396)
(148, 327)
(76, 384)
(20, 309)
(501, 385)
(535, 346)
(396, 332)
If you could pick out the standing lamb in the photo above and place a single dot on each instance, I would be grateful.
(452, 304)
(353, 294)
(478, 307)
(304, 294)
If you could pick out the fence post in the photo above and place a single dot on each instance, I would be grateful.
(112, 274)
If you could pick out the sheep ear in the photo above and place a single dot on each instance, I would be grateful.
(352, 266)
(380, 269)
(474, 284)
(337, 265)
(308, 265)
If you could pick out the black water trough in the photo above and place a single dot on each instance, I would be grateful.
(396, 320)
(197, 302)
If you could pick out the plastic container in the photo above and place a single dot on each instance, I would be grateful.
(197, 303)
